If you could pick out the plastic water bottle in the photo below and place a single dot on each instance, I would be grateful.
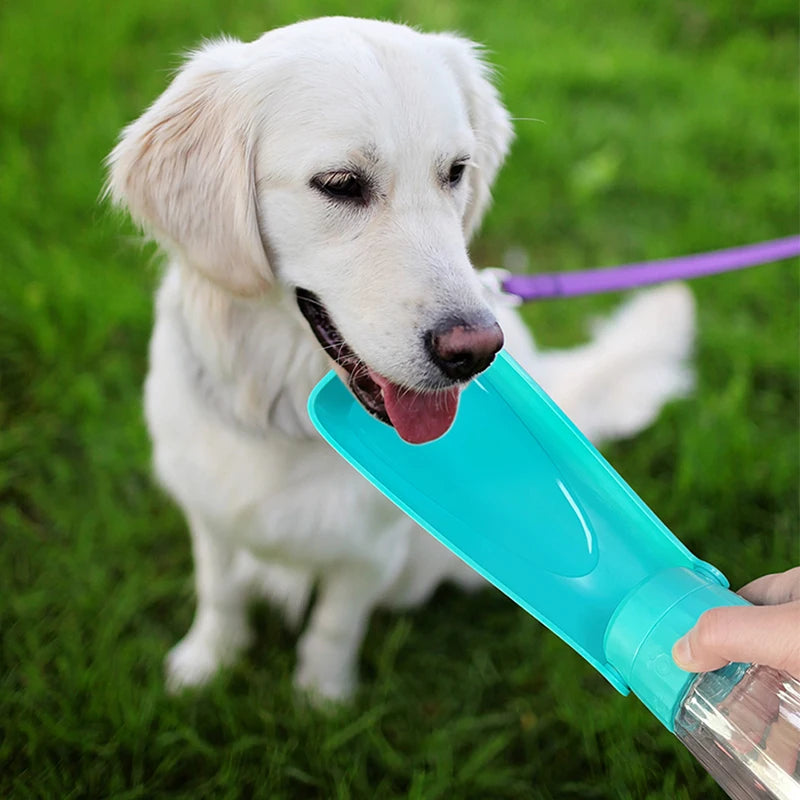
(742, 723)
(557, 529)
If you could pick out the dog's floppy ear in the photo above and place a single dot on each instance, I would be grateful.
(489, 119)
(185, 171)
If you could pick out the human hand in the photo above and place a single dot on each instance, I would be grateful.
(767, 632)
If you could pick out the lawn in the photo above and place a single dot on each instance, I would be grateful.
(646, 130)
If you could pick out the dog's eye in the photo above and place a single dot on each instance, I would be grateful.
(456, 173)
(342, 186)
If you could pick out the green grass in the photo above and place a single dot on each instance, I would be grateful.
(666, 128)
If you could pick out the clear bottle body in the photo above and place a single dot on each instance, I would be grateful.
(742, 723)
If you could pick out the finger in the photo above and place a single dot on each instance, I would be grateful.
(782, 587)
(762, 634)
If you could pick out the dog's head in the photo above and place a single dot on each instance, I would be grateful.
(347, 161)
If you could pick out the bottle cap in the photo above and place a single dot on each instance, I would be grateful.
(647, 623)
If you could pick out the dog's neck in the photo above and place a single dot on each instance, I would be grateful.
(254, 360)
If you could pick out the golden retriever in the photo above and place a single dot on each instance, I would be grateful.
(315, 191)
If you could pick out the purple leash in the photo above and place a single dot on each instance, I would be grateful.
(612, 279)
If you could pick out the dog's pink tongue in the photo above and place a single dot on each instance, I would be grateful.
(418, 416)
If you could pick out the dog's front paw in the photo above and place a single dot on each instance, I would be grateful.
(196, 658)
(325, 671)
(190, 663)
(322, 689)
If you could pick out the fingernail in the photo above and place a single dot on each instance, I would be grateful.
(682, 653)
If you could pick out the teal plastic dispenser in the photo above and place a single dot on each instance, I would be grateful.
(518, 493)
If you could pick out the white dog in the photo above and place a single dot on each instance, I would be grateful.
(318, 187)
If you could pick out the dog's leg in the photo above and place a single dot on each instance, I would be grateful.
(287, 588)
(428, 564)
(328, 649)
(219, 631)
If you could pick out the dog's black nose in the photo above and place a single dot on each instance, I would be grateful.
(461, 349)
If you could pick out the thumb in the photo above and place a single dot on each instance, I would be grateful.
(762, 634)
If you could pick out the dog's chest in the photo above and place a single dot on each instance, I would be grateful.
(273, 493)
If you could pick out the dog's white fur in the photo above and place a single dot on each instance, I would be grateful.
(218, 171)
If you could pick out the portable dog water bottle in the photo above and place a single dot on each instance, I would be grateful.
(517, 491)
